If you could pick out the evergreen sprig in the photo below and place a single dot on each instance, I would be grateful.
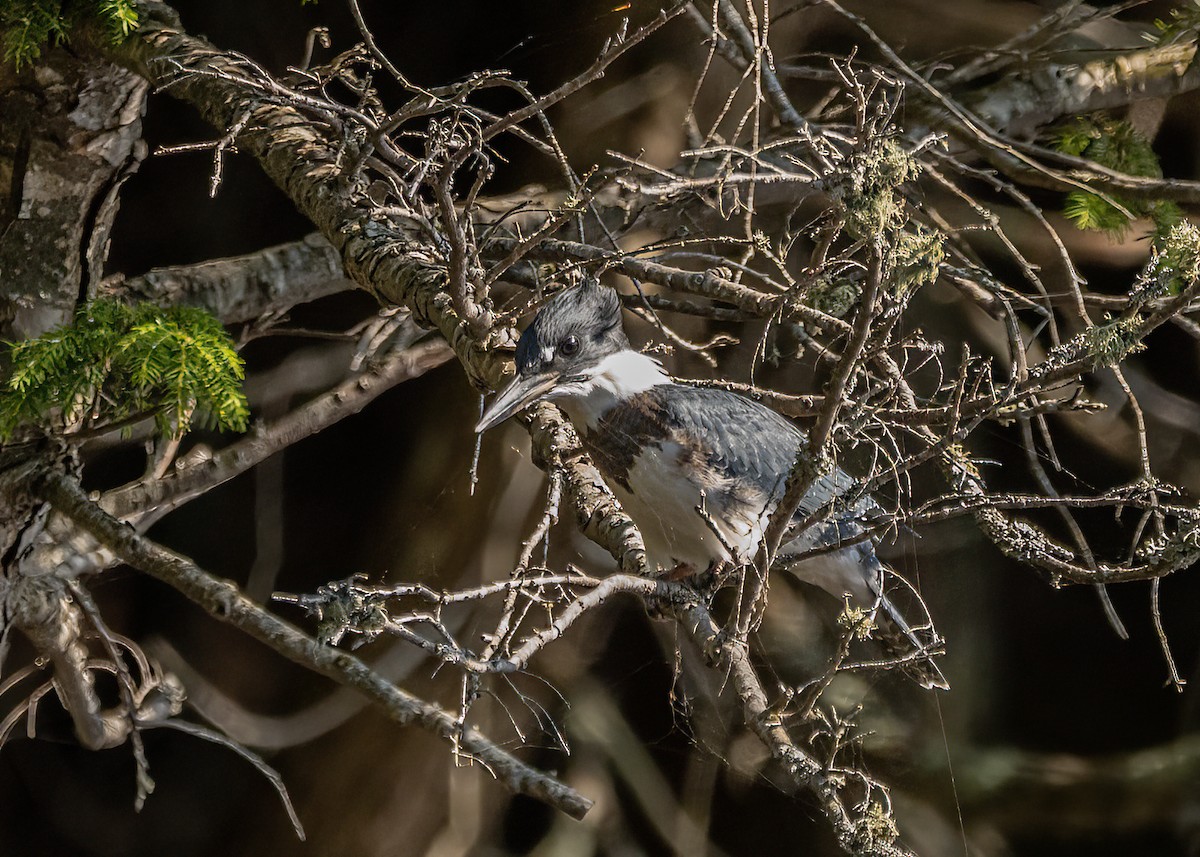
(27, 26)
(1118, 146)
(118, 361)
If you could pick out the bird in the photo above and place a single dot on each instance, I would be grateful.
(698, 469)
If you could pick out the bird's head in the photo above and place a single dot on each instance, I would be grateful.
(561, 349)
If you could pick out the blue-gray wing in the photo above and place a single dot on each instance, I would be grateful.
(746, 442)
(747, 445)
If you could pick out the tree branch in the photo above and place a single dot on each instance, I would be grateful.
(223, 600)
(344, 400)
(243, 288)
(1024, 101)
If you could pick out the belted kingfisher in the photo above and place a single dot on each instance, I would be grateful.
(698, 469)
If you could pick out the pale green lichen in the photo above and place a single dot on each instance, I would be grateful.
(875, 830)
(1173, 266)
(833, 297)
(857, 621)
(916, 259)
(868, 186)
(1110, 343)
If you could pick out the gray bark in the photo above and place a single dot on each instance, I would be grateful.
(70, 136)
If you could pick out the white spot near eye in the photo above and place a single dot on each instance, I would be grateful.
(595, 389)
(547, 354)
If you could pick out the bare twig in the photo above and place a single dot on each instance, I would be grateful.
(223, 600)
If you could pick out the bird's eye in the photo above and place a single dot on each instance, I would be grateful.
(569, 346)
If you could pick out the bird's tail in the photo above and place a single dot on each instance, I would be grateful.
(910, 647)
(856, 572)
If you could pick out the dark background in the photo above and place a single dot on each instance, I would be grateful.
(386, 493)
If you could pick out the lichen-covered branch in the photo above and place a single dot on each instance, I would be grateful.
(1028, 99)
(243, 288)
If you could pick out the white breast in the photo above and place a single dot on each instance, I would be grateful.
(663, 495)
(663, 502)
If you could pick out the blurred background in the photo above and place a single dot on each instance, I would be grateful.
(1043, 692)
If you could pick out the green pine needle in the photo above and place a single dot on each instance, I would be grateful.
(120, 16)
(1181, 26)
(28, 26)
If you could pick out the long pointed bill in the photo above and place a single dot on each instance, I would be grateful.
(521, 392)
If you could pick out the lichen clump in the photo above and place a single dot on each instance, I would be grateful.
(1175, 264)
(867, 187)
(834, 297)
(1110, 343)
(916, 259)
(857, 621)
(875, 829)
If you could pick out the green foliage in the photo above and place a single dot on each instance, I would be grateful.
(1094, 214)
(1174, 265)
(1181, 26)
(867, 188)
(26, 26)
(118, 361)
(1176, 259)
(119, 16)
(1118, 146)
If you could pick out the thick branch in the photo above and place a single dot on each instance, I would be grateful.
(69, 137)
(1021, 103)
(244, 288)
(383, 255)
(380, 255)
(1013, 158)
(600, 517)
